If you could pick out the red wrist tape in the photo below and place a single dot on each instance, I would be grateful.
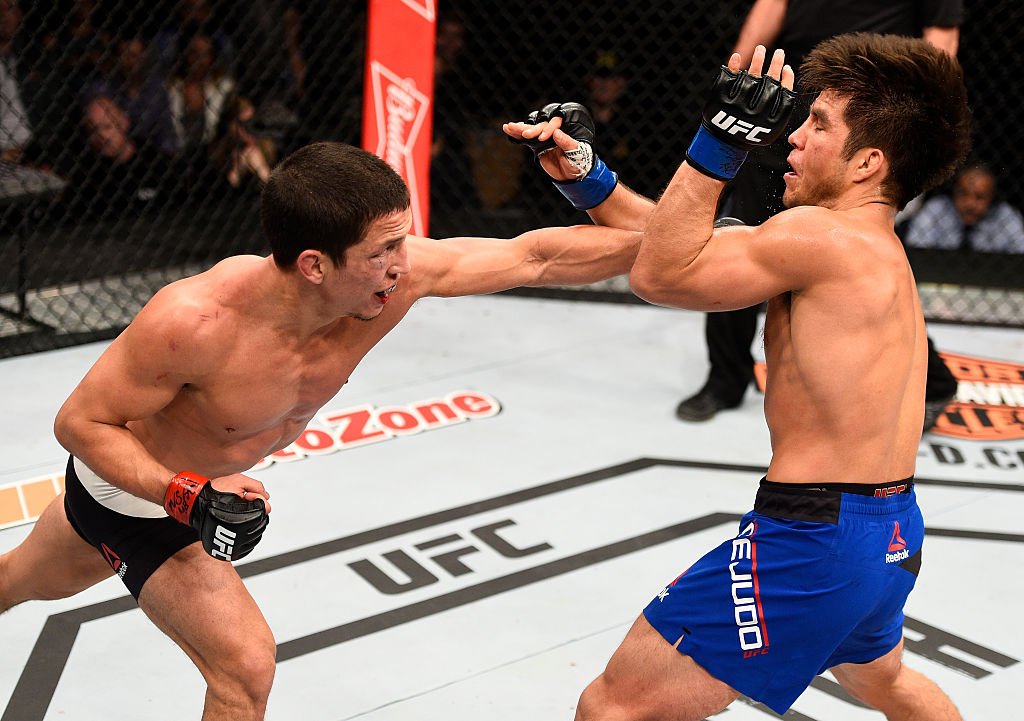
(181, 495)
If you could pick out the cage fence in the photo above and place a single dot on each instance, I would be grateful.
(136, 136)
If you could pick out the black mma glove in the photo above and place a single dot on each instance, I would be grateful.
(229, 526)
(595, 181)
(743, 113)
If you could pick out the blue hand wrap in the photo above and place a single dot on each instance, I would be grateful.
(714, 157)
(593, 189)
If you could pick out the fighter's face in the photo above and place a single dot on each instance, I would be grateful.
(374, 266)
(818, 175)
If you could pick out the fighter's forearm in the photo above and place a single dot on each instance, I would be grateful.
(677, 231)
(583, 254)
(115, 455)
(624, 208)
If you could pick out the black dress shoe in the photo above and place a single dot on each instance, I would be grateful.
(701, 407)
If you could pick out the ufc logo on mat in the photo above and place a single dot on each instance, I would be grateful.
(224, 543)
(733, 126)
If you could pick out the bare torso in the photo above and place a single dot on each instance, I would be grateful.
(264, 387)
(846, 367)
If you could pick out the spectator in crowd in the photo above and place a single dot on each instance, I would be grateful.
(756, 193)
(15, 131)
(117, 176)
(237, 151)
(192, 17)
(972, 219)
(198, 92)
(136, 86)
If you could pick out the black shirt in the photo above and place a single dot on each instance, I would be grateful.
(808, 22)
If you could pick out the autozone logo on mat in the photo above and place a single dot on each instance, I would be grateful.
(989, 403)
(362, 425)
(23, 501)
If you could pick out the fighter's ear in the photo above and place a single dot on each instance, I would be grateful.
(867, 163)
(311, 265)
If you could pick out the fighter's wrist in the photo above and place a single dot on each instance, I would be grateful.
(593, 189)
(713, 156)
(181, 494)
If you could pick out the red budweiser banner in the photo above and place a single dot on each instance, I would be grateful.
(399, 87)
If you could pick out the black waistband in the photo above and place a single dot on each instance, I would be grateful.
(879, 490)
(818, 502)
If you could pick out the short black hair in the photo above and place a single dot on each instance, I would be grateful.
(324, 197)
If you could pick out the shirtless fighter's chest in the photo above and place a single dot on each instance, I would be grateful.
(271, 391)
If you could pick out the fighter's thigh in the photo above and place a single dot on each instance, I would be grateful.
(648, 678)
(54, 561)
(870, 682)
(202, 604)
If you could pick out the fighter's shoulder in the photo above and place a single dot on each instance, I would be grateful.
(432, 254)
(426, 262)
(812, 224)
(418, 245)
(804, 220)
(186, 316)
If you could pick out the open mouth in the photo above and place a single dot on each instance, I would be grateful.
(384, 294)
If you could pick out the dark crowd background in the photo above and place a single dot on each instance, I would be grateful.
(135, 137)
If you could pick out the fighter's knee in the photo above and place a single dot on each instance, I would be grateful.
(245, 674)
(598, 701)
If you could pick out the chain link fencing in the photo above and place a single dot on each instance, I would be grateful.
(135, 136)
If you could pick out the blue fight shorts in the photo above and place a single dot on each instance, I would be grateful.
(817, 576)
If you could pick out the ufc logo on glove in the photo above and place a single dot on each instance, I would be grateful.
(733, 125)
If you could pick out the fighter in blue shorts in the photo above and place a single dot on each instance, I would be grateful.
(836, 558)
(817, 574)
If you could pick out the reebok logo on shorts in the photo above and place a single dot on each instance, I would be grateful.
(119, 566)
(897, 546)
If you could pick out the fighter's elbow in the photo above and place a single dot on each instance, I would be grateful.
(650, 285)
(62, 428)
(672, 290)
(68, 425)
